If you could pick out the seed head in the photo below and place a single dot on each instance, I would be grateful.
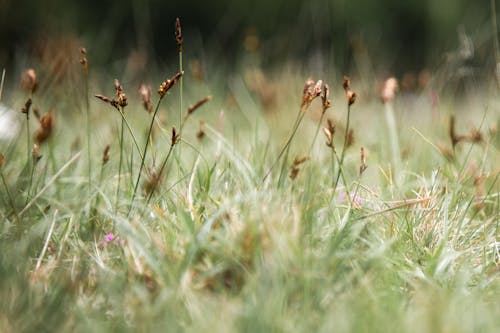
(363, 165)
(175, 136)
(178, 34)
(325, 97)
(121, 97)
(350, 95)
(83, 60)
(145, 92)
(105, 154)
(389, 91)
(47, 122)
(166, 85)
(2, 160)
(198, 104)
(28, 80)
(108, 100)
(310, 92)
(26, 108)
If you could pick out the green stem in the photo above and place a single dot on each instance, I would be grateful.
(143, 157)
(342, 155)
(130, 131)
(285, 148)
(11, 201)
(89, 156)
(120, 165)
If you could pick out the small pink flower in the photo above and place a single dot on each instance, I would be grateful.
(109, 237)
(356, 199)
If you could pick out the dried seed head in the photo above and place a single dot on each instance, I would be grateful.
(35, 153)
(166, 85)
(350, 138)
(2, 160)
(175, 136)
(299, 160)
(178, 35)
(154, 179)
(294, 173)
(26, 108)
(329, 137)
(310, 92)
(349, 94)
(121, 97)
(389, 91)
(346, 84)
(105, 154)
(108, 100)
(201, 133)
(453, 136)
(83, 60)
(351, 97)
(28, 80)
(198, 104)
(475, 136)
(325, 97)
(47, 122)
(363, 165)
(145, 92)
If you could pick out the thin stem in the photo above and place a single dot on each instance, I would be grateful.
(11, 201)
(342, 155)
(120, 164)
(317, 131)
(130, 131)
(87, 107)
(299, 118)
(145, 152)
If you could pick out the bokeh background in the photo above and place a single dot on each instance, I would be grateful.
(399, 35)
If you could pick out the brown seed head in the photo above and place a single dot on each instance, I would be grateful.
(105, 154)
(178, 35)
(83, 60)
(2, 160)
(325, 97)
(389, 91)
(121, 97)
(108, 100)
(346, 83)
(350, 138)
(145, 92)
(35, 153)
(363, 165)
(28, 80)
(351, 97)
(299, 160)
(310, 92)
(165, 86)
(329, 137)
(201, 132)
(198, 104)
(47, 122)
(26, 108)
(175, 136)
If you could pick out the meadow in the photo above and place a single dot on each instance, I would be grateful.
(261, 201)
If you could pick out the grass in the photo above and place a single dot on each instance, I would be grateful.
(210, 246)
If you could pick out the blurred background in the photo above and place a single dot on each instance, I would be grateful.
(385, 37)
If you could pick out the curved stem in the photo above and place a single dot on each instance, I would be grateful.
(143, 158)
(346, 137)
(120, 166)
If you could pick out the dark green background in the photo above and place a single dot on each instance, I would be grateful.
(402, 34)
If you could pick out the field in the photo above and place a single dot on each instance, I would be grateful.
(274, 204)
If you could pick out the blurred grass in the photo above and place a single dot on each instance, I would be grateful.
(217, 249)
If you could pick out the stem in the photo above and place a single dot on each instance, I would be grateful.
(393, 135)
(11, 201)
(342, 155)
(120, 165)
(143, 157)
(130, 131)
(87, 106)
(317, 131)
(299, 118)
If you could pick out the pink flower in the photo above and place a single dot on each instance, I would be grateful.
(109, 237)
(356, 199)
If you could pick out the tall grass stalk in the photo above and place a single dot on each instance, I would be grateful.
(394, 142)
(120, 162)
(145, 151)
(342, 154)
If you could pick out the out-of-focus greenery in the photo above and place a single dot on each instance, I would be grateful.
(406, 34)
